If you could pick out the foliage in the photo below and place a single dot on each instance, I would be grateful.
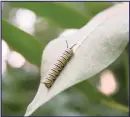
(20, 86)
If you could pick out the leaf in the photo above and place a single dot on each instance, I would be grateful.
(22, 42)
(98, 44)
(93, 95)
(61, 14)
(77, 6)
(95, 7)
(126, 62)
(96, 97)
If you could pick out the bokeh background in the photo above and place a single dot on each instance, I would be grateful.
(103, 94)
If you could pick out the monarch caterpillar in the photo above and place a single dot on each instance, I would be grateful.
(58, 66)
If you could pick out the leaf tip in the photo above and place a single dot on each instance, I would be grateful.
(38, 100)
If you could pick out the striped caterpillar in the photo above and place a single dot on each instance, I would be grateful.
(58, 66)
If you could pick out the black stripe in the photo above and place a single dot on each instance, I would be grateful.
(58, 66)
(49, 79)
(66, 55)
(67, 52)
(63, 58)
(55, 71)
(51, 75)
(61, 62)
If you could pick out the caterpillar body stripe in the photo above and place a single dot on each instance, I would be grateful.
(58, 66)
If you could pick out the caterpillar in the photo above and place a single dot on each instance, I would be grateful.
(58, 66)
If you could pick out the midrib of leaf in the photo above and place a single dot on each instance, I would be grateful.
(93, 29)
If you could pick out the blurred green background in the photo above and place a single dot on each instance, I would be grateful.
(27, 27)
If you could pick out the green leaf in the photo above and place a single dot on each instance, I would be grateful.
(77, 6)
(59, 13)
(126, 66)
(95, 7)
(22, 42)
(94, 96)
